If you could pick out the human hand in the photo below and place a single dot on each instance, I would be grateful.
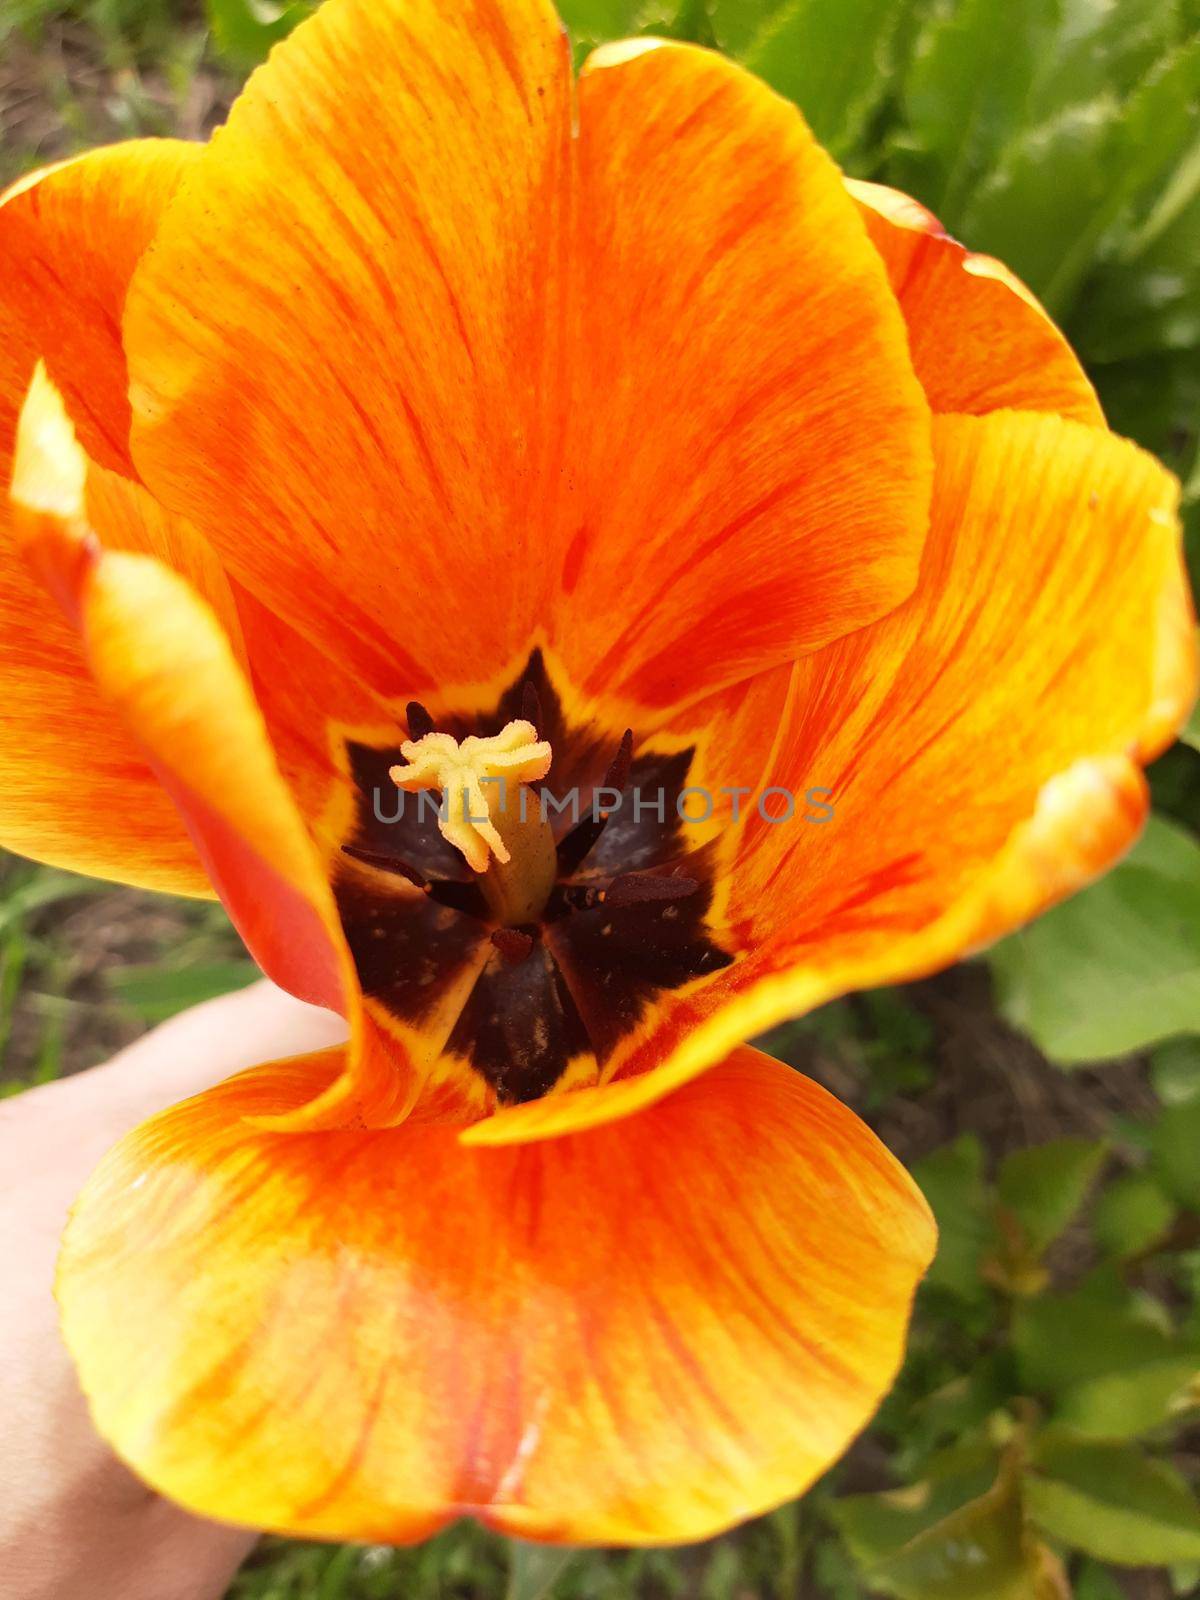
(74, 1523)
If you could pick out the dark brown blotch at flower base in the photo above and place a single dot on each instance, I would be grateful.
(564, 989)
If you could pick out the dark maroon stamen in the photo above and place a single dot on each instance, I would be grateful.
(531, 705)
(386, 864)
(619, 767)
(577, 844)
(635, 888)
(419, 721)
(513, 945)
(630, 889)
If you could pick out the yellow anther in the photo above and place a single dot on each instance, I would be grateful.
(482, 809)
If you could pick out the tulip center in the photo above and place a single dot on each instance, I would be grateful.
(520, 923)
(488, 814)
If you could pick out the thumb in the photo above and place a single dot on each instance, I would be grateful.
(71, 1519)
(200, 1047)
(80, 1117)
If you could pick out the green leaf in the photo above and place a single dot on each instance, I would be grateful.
(977, 1554)
(1155, 401)
(245, 30)
(951, 1179)
(967, 86)
(918, 1544)
(1131, 1215)
(1129, 1401)
(1097, 1583)
(1063, 184)
(897, 1056)
(155, 993)
(1038, 209)
(1117, 967)
(1147, 299)
(1065, 1339)
(876, 1526)
(1043, 1187)
(1175, 1152)
(831, 57)
(534, 1569)
(1159, 128)
(834, 1573)
(955, 1408)
(736, 23)
(1169, 208)
(1114, 1503)
(599, 19)
(45, 888)
(1100, 44)
(1102, 1357)
(1175, 1071)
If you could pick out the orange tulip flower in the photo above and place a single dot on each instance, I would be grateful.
(442, 420)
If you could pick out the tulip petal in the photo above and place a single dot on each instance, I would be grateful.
(1051, 628)
(70, 237)
(980, 341)
(749, 452)
(75, 790)
(982, 745)
(524, 376)
(311, 709)
(363, 1335)
(345, 337)
(158, 652)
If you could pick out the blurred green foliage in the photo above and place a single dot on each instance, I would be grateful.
(1042, 1436)
(244, 30)
(1117, 967)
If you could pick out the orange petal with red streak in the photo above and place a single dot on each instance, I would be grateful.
(748, 450)
(75, 790)
(70, 237)
(980, 340)
(363, 1335)
(159, 654)
(401, 165)
(982, 747)
(527, 375)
